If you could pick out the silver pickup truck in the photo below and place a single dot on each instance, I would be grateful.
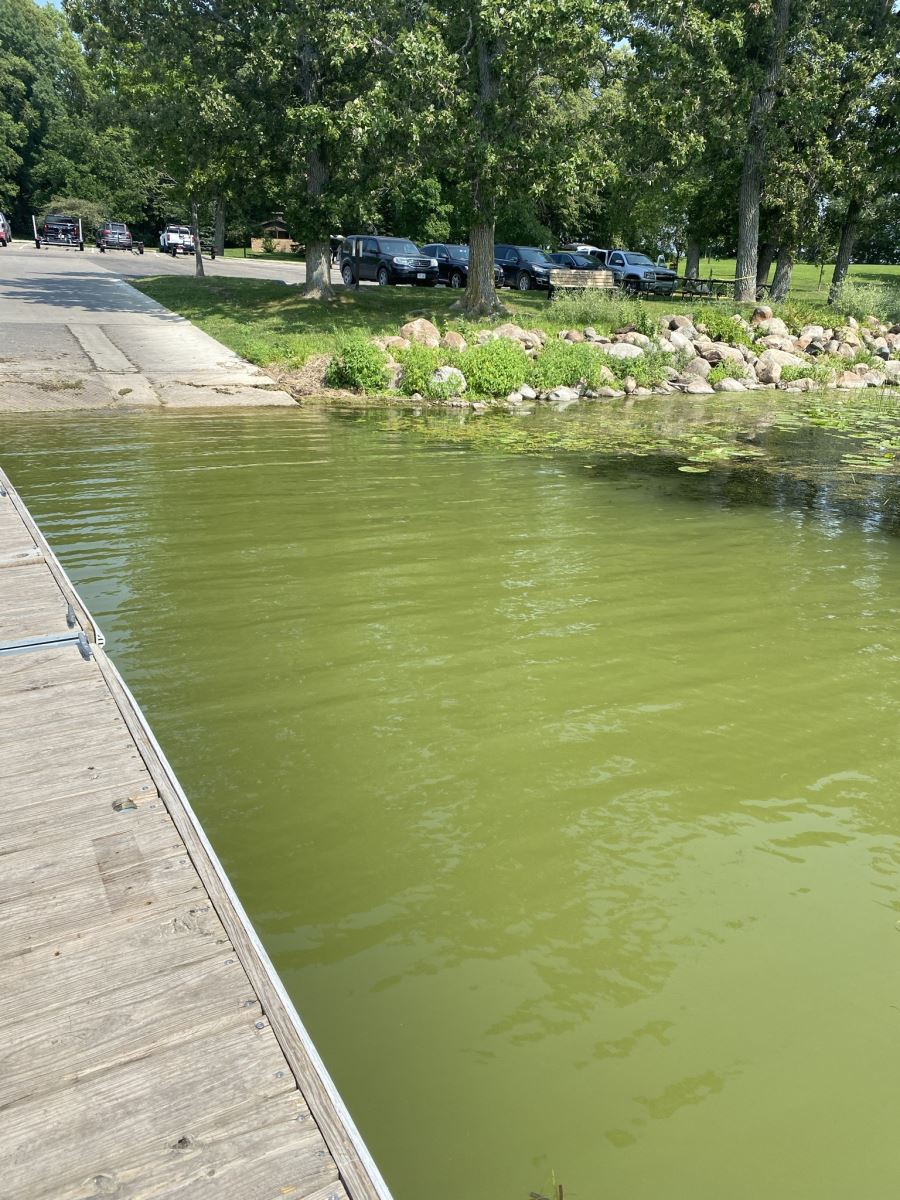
(633, 272)
(176, 239)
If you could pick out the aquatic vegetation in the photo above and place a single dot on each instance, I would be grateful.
(848, 438)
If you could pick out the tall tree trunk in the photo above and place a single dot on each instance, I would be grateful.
(480, 299)
(764, 260)
(849, 234)
(692, 259)
(755, 157)
(783, 269)
(318, 251)
(481, 296)
(219, 228)
(199, 273)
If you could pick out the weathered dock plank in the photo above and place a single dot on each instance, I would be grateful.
(147, 1048)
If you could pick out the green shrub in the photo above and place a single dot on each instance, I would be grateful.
(358, 365)
(720, 326)
(819, 372)
(268, 244)
(566, 364)
(494, 369)
(861, 300)
(796, 314)
(604, 311)
(419, 363)
(727, 370)
(647, 371)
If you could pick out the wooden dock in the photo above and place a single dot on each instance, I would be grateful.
(148, 1049)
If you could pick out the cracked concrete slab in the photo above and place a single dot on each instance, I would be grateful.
(72, 335)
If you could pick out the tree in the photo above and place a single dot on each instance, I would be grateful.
(766, 52)
(501, 77)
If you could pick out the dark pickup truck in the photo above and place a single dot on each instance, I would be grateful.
(58, 230)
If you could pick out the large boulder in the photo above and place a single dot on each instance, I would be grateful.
(813, 332)
(396, 343)
(770, 363)
(623, 350)
(454, 341)
(874, 378)
(891, 370)
(697, 368)
(774, 341)
(563, 395)
(422, 331)
(698, 387)
(716, 352)
(729, 385)
(850, 379)
(450, 378)
(681, 323)
(509, 330)
(760, 314)
(681, 341)
(774, 325)
(637, 339)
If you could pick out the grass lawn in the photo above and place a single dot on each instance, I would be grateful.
(805, 282)
(268, 321)
(276, 255)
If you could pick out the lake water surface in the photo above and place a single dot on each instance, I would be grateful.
(565, 800)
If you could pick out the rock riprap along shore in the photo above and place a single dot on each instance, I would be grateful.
(689, 356)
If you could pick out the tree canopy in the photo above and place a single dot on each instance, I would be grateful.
(766, 130)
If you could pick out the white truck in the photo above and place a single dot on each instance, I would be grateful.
(176, 239)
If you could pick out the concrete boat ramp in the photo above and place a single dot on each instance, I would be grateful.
(148, 1049)
(74, 335)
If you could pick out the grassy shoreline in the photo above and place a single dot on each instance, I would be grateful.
(273, 324)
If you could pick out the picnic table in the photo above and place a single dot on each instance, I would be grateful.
(710, 288)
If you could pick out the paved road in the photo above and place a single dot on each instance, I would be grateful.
(74, 334)
(154, 263)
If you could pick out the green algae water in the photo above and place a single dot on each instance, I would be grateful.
(562, 793)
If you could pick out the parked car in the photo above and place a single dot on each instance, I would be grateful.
(576, 262)
(453, 264)
(637, 273)
(523, 267)
(59, 230)
(115, 235)
(5, 231)
(176, 239)
(386, 260)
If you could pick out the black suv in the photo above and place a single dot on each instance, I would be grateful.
(386, 260)
(524, 267)
(453, 264)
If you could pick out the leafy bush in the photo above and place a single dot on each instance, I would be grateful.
(796, 314)
(727, 370)
(565, 364)
(494, 369)
(820, 372)
(358, 365)
(859, 300)
(605, 311)
(720, 326)
(419, 363)
(268, 244)
(647, 371)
